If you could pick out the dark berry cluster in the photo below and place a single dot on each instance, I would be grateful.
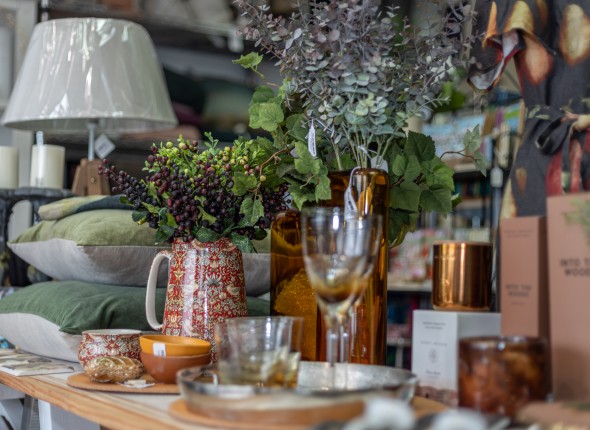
(187, 190)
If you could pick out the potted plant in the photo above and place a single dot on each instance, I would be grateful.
(210, 204)
(353, 74)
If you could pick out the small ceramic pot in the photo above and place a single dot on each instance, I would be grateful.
(110, 342)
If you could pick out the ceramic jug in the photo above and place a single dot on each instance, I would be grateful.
(205, 286)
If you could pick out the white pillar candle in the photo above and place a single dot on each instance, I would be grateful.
(6, 52)
(47, 166)
(8, 167)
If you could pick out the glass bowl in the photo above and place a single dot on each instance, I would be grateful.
(309, 403)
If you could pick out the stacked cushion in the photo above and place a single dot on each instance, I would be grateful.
(100, 259)
(48, 318)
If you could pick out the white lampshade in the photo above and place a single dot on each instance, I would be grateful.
(81, 70)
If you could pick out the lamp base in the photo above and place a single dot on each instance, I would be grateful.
(87, 181)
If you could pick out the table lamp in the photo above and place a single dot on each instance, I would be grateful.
(89, 75)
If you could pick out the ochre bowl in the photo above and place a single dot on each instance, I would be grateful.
(164, 369)
(161, 344)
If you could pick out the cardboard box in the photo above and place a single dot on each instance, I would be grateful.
(568, 229)
(524, 295)
(435, 347)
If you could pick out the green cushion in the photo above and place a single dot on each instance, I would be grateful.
(77, 306)
(101, 246)
(104, 227)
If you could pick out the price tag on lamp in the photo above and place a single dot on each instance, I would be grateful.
(103, 146)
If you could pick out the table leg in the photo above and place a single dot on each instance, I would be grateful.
(12, 411)
(53, 418)
(30, 418)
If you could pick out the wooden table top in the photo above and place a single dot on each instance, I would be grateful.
(124, 411)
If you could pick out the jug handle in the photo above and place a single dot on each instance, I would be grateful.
(150, 295)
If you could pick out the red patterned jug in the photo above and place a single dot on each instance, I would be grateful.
(205, 286)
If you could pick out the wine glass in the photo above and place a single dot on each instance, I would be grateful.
(339, 251)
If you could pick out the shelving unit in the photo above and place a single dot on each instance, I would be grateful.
(179, 31)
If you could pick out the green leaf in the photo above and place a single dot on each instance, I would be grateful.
(243, 183)
(401, 222)
(170, 221)
(204, 234)
(249, 61)
(205, 216)
(306, 164)
(406, 196)
(438, 173)
(151, 190)
(296, 128)
(138, 216)
(252, 210)
(472, 140)
(266, 116)
(437, 199)
(124, 200)
(398, 167)
(413, 168)
(262, 144)
(421, 146)
(284, 169)
(480, 163)
(242, 243)
(151, 208)
(322, 189)
(301, 196)
(262, 94)
(164, 233)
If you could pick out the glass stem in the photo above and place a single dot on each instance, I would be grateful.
(332, 346)
(344, 339)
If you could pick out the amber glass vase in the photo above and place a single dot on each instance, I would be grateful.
(291, 293)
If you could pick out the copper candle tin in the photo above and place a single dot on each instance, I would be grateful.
(462, 276)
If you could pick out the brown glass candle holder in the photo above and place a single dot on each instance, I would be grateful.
(462, 276)
(501, 374)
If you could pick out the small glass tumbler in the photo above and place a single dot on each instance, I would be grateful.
(262, 351)
(501, 374)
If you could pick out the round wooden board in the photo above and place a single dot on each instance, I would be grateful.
(180, 410)
(81, 380)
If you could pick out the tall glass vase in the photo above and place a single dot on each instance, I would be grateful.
(368, 333)
(291, 293)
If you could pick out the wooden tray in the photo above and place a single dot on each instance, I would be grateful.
(81, 380)
(180, 410)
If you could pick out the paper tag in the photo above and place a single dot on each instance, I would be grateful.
(311, 141)
(103, 146)
(381, 165)
(137, 383)
(159, 349)
(350, 209)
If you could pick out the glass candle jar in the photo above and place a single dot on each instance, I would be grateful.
(501, 374)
